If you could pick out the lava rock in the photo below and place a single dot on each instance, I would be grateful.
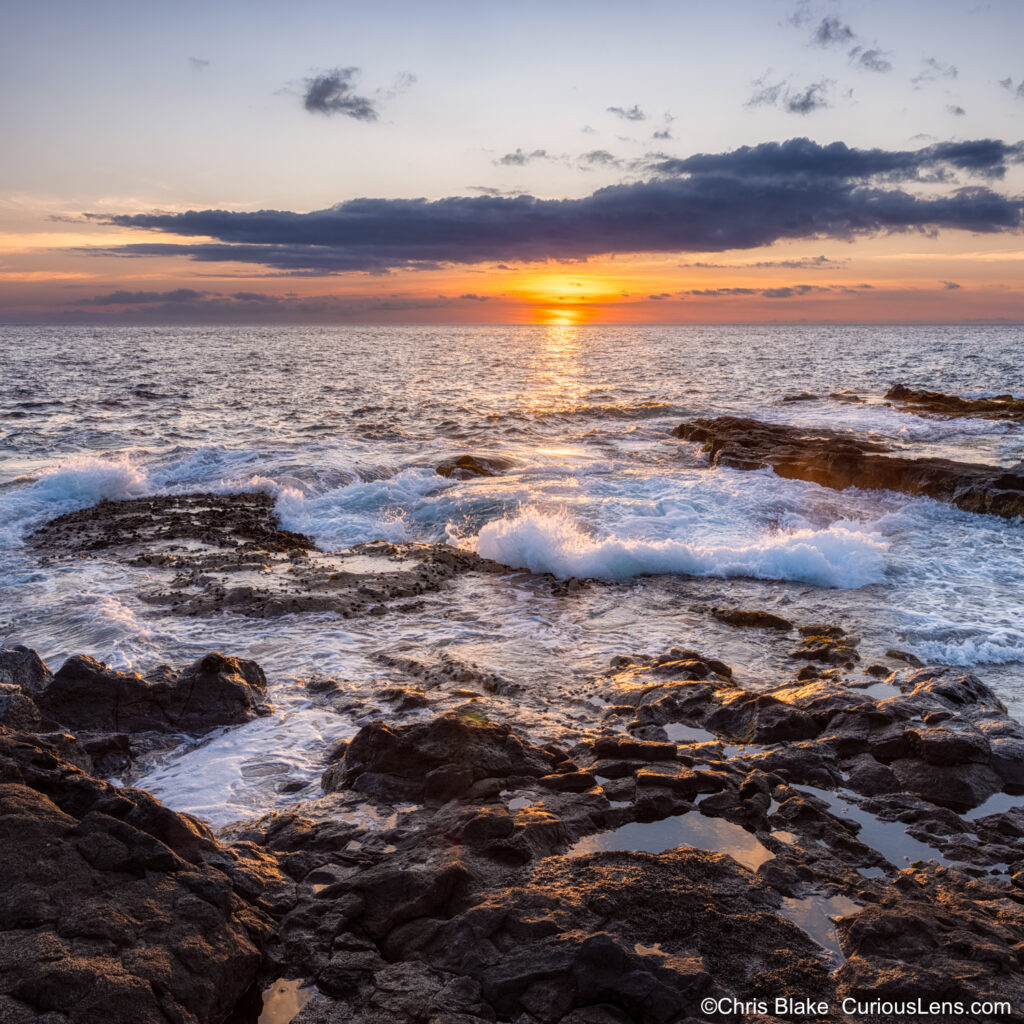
(216, 690)
(840, 460)
(116, 909)
(436, 761)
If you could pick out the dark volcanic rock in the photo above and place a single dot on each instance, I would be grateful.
(649, 934)
(998, 407)
(239, 521)
(933, 936)
(116, 909)
(753, 619)
(17, 709)
(214, 691)
(23, 668)
(435, 761)
(827, 645)
(840, 460)
(466, 466)
(228, 552)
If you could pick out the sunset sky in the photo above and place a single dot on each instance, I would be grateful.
(537, 162)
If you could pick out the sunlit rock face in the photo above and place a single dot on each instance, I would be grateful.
(838, 460)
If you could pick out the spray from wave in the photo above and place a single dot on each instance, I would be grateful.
(542, 542)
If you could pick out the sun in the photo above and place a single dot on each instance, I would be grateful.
(566, 317)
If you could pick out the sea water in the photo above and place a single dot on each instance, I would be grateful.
(345, 427)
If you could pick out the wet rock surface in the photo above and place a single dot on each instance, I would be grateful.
(116, 909)
(996, 407)
(694, 839)
(227, 552)
(839, 460)
(213, 691)
(466, 466)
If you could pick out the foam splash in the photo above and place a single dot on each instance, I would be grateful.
(232, 773)
(554, 543)
(75, 483)
(388, 509)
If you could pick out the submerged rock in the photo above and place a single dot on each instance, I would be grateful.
(241, 522)
(998, 407)
(466, 466)
(751, 619)
(85, 694)
(839, 460)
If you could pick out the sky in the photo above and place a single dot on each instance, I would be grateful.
(554, 162)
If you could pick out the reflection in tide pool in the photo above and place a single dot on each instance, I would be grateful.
(715, 835)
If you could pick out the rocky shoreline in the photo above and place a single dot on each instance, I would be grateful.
(833, 837)
(844, 831)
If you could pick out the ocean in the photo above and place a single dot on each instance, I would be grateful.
(345, 427)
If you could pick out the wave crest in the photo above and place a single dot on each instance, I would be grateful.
(542, 542)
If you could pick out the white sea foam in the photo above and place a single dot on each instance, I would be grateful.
(394, 509)
(545, 542)
(232, 774)
(75, 483)
(884, 419)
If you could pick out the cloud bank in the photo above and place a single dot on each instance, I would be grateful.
(749, 197)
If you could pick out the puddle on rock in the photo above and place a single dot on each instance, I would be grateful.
(715, 835)
(813, 916)
(889, 838)
(283, 1000)
(871, 872)
(879, 691)
(995, 804)
(367, 565)
(679, 732)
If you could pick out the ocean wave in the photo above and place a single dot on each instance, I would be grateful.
(885, 420)
(554, 543)
(612, 411)
(387, 509)
(75, 483)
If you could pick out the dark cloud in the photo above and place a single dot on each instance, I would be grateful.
(126, 298)
(746, 198)
(488, 190)
(791, 99)
(832, 32)
(333, 92)
(212, 307)
(871, 59)
(198, 64)
(951, 286)
(660, 296)
(812, 97)
(600, 157)
(520, 158)
(1017, 90)
(803, 158)
(932, 70)
(955, 110)
(662, 133)
(633, 113)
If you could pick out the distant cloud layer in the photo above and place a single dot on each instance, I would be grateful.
(333, 92)
(709, 202)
